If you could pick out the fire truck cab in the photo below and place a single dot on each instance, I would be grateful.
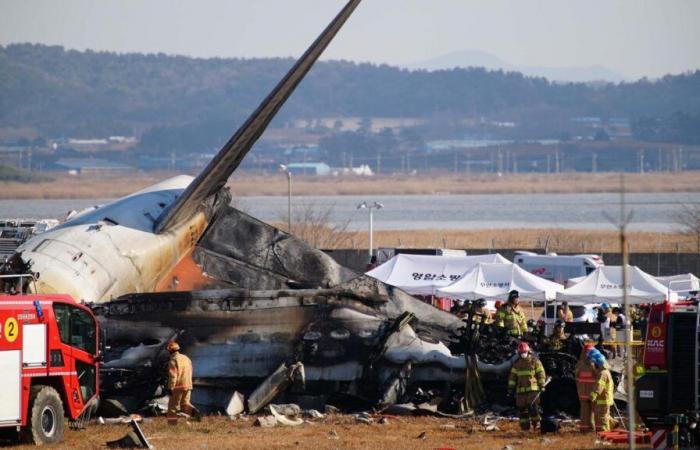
(668, 394)
(48, 363)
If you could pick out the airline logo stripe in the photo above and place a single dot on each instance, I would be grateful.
(658, 440)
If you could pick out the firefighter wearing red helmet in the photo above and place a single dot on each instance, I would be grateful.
(527, 379)
(585, 382)
(179, 384)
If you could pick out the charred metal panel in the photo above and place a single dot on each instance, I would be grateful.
(258, 256)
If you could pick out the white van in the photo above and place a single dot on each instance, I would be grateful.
(558, 268)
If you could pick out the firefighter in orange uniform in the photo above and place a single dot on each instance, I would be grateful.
(526, 380)
(585, 381)
(179, 384)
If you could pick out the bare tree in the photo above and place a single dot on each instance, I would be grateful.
(689, 220)
(315, 225)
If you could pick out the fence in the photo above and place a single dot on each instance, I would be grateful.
(658, 264)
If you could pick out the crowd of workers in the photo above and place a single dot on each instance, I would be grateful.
(528, 379)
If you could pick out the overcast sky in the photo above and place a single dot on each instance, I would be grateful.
(632, 37)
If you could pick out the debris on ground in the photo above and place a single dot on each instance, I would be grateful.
(265, 421)
(133, 439)
(236, 404)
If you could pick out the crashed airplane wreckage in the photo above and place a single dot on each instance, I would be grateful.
(247, 302)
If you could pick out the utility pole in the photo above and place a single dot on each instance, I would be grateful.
(594, 162)
(284, 169)
(370, 208)
(625, 218)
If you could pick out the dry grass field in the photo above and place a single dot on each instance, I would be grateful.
(555, 239)
(116, 185)
(334, 432)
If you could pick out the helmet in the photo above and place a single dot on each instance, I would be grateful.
(559, 323)
(481, 302)
(513, 295)
(605, 306)
(523, 347)
(173, 347)
(498, 304)
(596, 357)
(588, 347)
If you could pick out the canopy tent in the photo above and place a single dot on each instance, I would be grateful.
(605, 284)
(425, 274)
(495, 280)
(681, 283)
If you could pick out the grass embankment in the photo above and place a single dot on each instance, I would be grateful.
(117, 185)
(337, 431)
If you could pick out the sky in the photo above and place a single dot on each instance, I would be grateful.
(635, 38)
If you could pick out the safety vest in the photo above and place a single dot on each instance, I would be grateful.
(556, 341)
(179, 372)
(512, 319)
(526, 375)
(585, 378)
(566, 315)
(602, 393)
(484, 311)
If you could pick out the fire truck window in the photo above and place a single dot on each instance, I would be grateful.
(76, 327)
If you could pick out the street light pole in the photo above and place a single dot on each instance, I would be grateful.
(284, 169)
(370, 209)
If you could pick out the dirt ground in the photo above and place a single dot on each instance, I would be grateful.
(334, 432)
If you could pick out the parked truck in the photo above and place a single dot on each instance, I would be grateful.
(49, 352)
(668, 394)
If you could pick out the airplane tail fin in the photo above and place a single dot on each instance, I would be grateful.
(219, 169)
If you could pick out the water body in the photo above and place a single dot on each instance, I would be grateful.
(651, 212)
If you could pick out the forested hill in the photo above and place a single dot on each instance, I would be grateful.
(89, 94)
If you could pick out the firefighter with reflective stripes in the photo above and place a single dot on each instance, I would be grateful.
(564, 313)
(601, 396)
(585, 381)
(179, 384)
(557, 339)
(511, 317)
(527, 379)
(479, 308)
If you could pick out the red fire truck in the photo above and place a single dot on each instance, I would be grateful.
(48, 363)
(668, 394)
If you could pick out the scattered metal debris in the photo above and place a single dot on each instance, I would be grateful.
(133, 439)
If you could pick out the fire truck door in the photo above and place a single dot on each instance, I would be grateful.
(34, 345)
(11, 376)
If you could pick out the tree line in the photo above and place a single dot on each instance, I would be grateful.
(183, 103)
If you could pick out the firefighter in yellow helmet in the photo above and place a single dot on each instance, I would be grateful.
(179, 384)
(585, 381)
(601, 396)
(526, 381)
(511, 317)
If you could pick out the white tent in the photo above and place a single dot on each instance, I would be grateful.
(681, 283)
(495, 280)
(425, 274)
(605, 284)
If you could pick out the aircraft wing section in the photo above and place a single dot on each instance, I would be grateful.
(217, 172)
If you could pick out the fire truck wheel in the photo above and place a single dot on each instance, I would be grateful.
(45, 416)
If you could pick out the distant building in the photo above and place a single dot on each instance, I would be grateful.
(316, 168)
(90, 165)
